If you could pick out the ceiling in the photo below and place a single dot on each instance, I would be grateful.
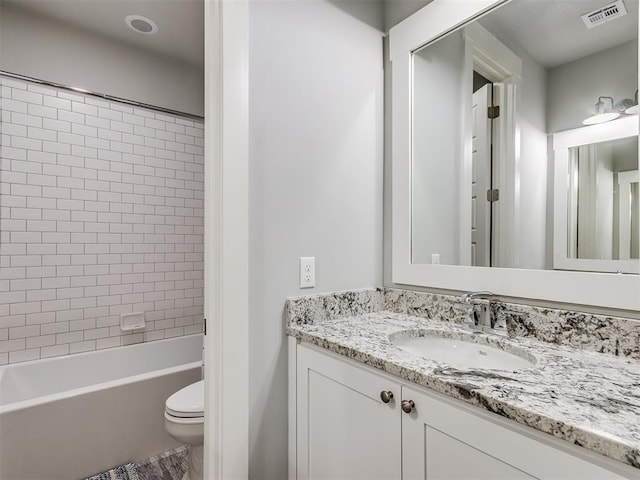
(552, 31)
(539, 26)
(180, 22)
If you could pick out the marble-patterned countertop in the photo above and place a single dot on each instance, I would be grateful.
(588, 398)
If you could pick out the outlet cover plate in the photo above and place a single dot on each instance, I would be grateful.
(307, 272)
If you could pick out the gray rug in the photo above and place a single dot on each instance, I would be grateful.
(171, 465)
(123, 472)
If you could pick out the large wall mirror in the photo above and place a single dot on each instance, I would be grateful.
(505, 174)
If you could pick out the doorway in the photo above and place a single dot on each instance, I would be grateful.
(490, 202)
(481, 172)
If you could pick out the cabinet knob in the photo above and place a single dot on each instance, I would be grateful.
(407, 406)
(386, 396)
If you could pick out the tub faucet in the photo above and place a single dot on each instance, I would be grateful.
(479, 314)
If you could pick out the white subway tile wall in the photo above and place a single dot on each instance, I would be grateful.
(101, 213)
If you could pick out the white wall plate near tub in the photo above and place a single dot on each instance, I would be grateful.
(132, 321)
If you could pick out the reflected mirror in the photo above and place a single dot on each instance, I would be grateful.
(487, 100)
(596, 198)
(603, 200)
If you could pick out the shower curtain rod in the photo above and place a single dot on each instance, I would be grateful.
(105, 96)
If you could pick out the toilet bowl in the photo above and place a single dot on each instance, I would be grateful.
(184, 421)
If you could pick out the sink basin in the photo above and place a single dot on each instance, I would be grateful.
(463, 353)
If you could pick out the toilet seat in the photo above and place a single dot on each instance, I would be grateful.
(187, 402)
(184, 421)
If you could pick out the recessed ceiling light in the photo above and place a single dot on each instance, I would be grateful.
(141, 24)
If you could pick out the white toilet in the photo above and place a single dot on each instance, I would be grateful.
(184, 420)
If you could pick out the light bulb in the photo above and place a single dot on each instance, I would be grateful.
(601, 118)
(633, 110)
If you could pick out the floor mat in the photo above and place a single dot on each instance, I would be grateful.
(171, 465)
(123, 472)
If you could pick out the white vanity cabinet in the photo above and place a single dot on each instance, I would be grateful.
(443, 441)
(443, 438)
(342, 429)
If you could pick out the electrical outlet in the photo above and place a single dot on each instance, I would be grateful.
(307, 272)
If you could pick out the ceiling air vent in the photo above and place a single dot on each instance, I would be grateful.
(605, 14)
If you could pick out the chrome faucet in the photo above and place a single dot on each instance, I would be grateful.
(479, 314)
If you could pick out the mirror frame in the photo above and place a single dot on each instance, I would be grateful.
(562, 142)
(435, 20)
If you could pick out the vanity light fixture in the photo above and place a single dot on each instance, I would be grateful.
(635, 108)
(602, 114)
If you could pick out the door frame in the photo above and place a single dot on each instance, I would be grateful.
(496, 62)
(482, 165)
(226, 282)
(625, 179)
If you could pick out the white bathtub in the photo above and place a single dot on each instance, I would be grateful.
(70, 417)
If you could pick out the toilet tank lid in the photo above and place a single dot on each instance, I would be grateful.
(188, 401)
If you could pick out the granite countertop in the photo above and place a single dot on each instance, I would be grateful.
(577, 394)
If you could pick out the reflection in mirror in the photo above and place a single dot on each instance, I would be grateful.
(603, 200)
(595, 213)
(486, 99)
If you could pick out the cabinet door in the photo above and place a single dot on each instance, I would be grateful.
(344, 429)
(445, 439)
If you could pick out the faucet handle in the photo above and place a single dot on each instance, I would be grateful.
(478, 309)
(500, 326)
(506, 316)
(470, 318)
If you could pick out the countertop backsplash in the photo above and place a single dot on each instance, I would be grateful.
(600, 333)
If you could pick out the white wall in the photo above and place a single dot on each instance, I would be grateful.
(438, 72)
(535, 190)
(101, 214)
(46, 49)
(574, 88)
(316, 90)
(397, 10)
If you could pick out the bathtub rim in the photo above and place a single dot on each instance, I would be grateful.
(23, 404)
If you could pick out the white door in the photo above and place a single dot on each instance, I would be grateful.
(481, 178)
(432, 451)
(629, 219)
(445, 439)
(344, 428)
